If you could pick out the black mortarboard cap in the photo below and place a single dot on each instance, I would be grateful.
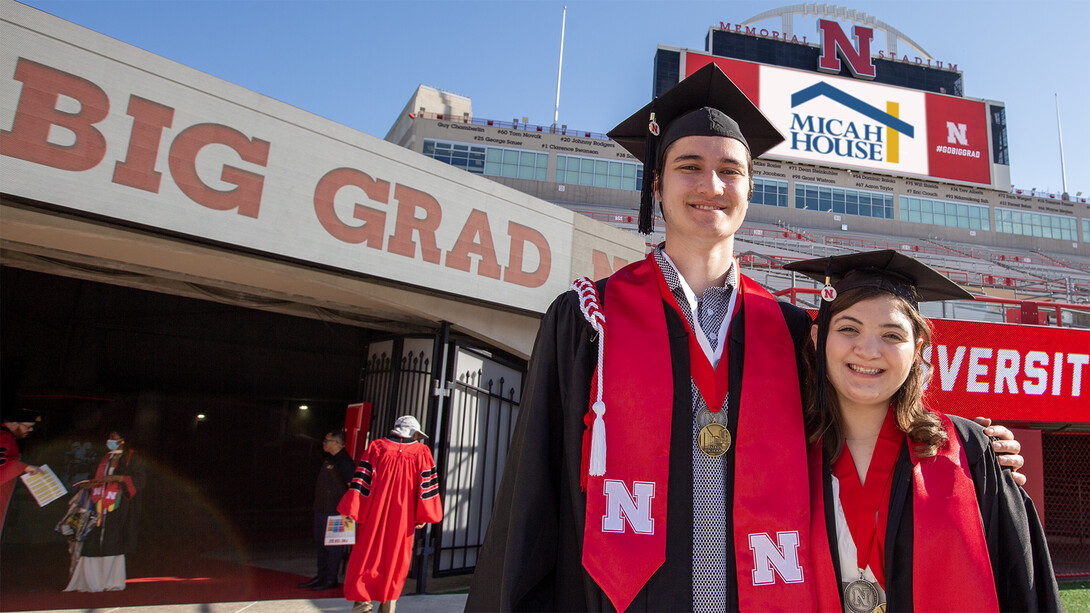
(707, 103)
(21, 415)
(887, 269)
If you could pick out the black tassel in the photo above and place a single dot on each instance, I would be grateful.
(821, 382)
(647, 200)
(650, 165)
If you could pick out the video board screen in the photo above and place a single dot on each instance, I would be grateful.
(859, 124)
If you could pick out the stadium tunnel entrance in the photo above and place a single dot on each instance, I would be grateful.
(204, 357)
(190, 262)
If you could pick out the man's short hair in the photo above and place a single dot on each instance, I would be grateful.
(338, 435)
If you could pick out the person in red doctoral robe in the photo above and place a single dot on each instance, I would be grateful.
(14, 426)
(395, 490)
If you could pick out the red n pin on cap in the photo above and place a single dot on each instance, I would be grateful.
(828, 293)
(653, 126)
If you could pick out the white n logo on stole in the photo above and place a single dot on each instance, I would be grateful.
(634, 507)
(783, 555)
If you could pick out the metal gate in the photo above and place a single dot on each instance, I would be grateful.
(484, 401)
(396, 380)
(467, 400)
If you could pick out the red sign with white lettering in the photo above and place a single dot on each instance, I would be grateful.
(1010, 372)
(957, 139)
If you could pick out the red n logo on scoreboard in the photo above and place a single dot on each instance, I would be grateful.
(834, 39)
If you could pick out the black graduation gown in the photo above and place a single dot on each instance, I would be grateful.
(117, 534)
(1024, 580)
(531, 559)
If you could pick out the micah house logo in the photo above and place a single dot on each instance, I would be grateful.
(877, 140)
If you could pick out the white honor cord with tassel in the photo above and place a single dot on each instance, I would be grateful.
(592, 312)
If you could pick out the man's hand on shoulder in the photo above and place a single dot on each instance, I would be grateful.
(1006, 448)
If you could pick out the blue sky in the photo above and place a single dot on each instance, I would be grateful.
(357, 62)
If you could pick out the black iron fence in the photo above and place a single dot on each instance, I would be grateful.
(1067, 501)
(396, 381)
(484, 404)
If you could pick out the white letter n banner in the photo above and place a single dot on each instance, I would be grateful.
(782, 556)
(633, 508)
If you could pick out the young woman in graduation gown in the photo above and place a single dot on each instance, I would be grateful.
(919, 513)
(115, 494)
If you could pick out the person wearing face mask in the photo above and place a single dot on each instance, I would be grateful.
(115, 491)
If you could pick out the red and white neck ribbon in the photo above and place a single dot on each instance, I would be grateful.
(591, 308)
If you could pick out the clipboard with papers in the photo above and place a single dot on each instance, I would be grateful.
(44, 485)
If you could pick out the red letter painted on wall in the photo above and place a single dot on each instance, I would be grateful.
(246, 195)
(401, 243)
(475, 238)
(148, 121)
(520, 235)
(602, 266)
(373, 230)
(37, 113)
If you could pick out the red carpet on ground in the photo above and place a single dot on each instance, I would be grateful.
(34, 577)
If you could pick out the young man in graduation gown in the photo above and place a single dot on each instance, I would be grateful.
(658, 463)
(394, 491)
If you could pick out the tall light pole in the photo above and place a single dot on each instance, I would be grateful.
(559, 68)
(1059, 132)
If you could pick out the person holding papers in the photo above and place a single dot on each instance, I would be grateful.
(16, 425)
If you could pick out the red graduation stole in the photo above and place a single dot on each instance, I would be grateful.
(107, 496)
(944, 508)
(625, 532)
(866, 505)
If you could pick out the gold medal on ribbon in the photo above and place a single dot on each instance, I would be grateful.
(713, 439)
